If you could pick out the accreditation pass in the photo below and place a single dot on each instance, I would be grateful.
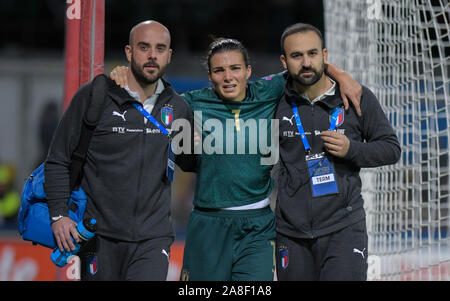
(321, 172)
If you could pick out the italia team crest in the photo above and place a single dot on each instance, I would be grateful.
(284, 257)
(340, 117)
(92, 264)
(167, 115)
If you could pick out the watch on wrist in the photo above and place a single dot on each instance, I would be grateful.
(56, 218)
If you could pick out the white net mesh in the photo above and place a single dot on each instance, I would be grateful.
(400, 49)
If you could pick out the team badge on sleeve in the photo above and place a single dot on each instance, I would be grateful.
(167, 115)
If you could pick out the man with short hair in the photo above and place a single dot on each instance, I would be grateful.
(321, 230)
(125, 172)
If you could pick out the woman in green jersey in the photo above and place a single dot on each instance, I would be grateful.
(231, 230)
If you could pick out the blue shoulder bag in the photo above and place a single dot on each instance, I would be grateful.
(34, 219)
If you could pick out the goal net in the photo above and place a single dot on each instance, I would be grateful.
(400, 49)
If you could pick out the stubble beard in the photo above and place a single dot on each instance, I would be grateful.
(144, 78)
(311, 80)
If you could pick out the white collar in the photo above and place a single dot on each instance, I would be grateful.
(159, 89)
(330, 92)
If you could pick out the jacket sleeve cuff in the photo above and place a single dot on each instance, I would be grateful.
(352, 151)
(56, 210)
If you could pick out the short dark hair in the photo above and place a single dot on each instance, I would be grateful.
(224, 45)
(296, 28)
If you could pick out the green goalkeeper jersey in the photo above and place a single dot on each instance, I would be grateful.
(232, 168)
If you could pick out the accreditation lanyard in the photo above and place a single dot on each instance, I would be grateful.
(170, 156)
(321, 170)
(151, 118)
(301, 131)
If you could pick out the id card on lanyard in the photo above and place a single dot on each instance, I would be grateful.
(321, 173)
(171, 156)
(321, 170)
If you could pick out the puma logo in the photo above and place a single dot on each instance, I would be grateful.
(288, 119)
(165, 253)
(115, 113)
(355, 250)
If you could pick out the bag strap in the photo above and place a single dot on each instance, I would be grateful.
(98, 95)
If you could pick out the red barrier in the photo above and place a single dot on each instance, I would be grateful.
(20, 260)
(176, 261)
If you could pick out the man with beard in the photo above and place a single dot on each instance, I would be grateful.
(321, 227)
(125, 174)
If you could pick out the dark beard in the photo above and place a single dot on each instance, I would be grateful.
(143, 78)
(309, 81)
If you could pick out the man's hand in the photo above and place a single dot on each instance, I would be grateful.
(119, 75)
(350, 88)
(335, 143)
(63, 229)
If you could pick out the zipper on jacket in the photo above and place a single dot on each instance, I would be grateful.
(311, 199)
(141, 159)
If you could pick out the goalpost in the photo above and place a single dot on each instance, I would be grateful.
(84, 44)
(84, 59)
(400, 49)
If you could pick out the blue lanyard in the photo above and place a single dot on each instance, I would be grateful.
(300, 128)
(301, 131)
(151, 118)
